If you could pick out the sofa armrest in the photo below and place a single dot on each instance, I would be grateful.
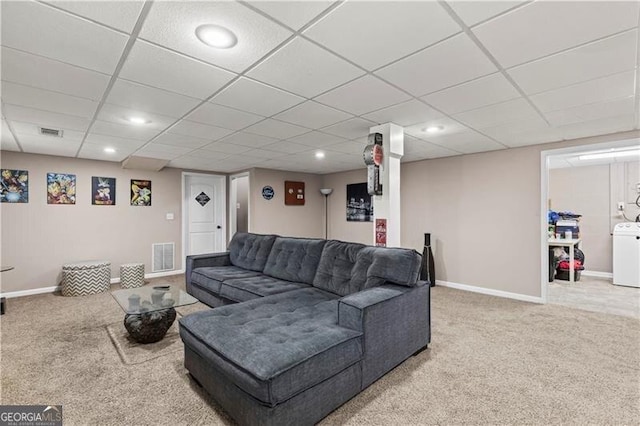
(205, 260)
(395, 322)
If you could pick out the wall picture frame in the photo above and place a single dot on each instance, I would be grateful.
(359, 204)
(103, 191)
(140, 192)
(14, 186)
(61, 188)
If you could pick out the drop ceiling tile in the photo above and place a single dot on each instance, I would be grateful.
(305, 69)
(35, 28)
(386, 31)
(181, 141)
(208, 156)
(158, 67)
(262, 154)
(565, 25)
(591, 112)
(173, 24)
(126, 131)
(313, 115)
(363, 95)
(36, 71)
(45, 118)
(506, 132)
(598, 90)
(349, 147)
(253, 96)
(30, 97)
(150, 99)
(276, 129)
(317, 139)
(222, 116)
(94, 152)
(448, 126)
(450, 62)
(249, 140)
(47, 145)
(226, 148)
(473, 12)
(287, 147)
(417, 149)
(193, 163)
(7, 141)
(502, 113)
(350, 129)
(404, 114)
(536, 137)
(484, 91)
(120, 144)
(21, 128)
(466, 142)
(172, 149)
(598, 127)
(158, 151)
(121, 15)
(598, 59)
(121, 115)
(198, 130)
(293, 14)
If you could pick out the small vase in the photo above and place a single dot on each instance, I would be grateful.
(428, 270)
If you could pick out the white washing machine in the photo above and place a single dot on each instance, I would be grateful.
(626, 254)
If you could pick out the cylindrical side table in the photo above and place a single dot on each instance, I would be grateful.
(132, 275)
(84, 278)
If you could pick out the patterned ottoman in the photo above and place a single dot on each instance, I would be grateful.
(84, 278)
(132, 275)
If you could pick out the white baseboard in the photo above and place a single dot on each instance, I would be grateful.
(490, 292)
(44, 290)
(598, 274)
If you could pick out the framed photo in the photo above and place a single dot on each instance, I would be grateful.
(140, 192)
(359, 205)
(14, 187)
(103, 191)
(61, 188)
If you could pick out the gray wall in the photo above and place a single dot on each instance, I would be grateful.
(38, 238)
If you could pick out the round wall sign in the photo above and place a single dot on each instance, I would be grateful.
(267, 192)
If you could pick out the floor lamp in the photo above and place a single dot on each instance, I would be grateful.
(326, 192)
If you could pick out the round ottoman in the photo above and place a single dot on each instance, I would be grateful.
(132, 275)
(84, 278)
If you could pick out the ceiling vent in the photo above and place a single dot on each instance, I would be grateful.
(50, 132)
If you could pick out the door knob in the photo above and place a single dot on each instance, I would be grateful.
(219, 227)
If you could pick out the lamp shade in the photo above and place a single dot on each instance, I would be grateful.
(326, 191)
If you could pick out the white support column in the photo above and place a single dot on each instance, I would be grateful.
(387, 205)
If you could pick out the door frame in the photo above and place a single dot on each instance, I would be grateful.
(185, 219)
(544, 197)
(233, 201)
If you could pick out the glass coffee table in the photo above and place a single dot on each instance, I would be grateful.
(150, 310)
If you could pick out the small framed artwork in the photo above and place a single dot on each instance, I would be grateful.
(359, 205)
(140, 192)
(293, 193)
(103, 191)
(61, 188)
(15, 186)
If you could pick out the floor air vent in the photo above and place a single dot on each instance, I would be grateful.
(51, 132)
(163, 257)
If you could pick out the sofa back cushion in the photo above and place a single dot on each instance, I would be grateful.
(335, 269)
(378, 265)
(250, 251)
(294, 259)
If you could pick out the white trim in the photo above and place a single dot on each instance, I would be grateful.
(490, 292)
(31, 292)
(44, 290)
(598, 274)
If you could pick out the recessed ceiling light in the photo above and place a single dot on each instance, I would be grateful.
(109, 150)
(216, 36)
(138, 120)
(319, 155)
(433, 129)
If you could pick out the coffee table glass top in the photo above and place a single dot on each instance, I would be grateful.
(151, 298)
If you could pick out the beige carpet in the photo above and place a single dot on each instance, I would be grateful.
(492, 361)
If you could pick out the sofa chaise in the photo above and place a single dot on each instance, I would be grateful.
(300, 325)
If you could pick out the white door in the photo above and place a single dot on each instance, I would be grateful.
(204, 204)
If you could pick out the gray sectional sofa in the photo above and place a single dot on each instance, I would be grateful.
(300, 325)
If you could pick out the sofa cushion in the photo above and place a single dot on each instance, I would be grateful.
(377, 265)
(334, 272)
(294, 259)
(212, 277)
(250, 251)
(249, 288)
(275, 347)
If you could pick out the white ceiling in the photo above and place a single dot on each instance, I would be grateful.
(308, 76)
